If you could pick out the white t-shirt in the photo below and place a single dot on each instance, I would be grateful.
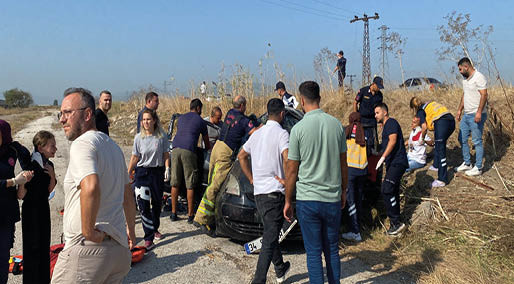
(471, 87)
(417, 149)
(95, 153)
(265, 147)
(203, 89)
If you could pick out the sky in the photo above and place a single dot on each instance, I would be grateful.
(122, 46)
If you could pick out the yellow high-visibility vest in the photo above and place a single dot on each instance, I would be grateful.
(434, 111)
(356, 154)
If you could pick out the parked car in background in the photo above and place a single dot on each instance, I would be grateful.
(422, 84)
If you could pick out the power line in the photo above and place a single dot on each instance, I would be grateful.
(310, 8)
(335, 7)
(302, 10)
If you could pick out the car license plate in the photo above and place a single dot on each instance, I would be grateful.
(255, 245)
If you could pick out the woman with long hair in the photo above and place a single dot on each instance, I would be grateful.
(10, 151)
(435, 117)
(149, 156)
(35, 214)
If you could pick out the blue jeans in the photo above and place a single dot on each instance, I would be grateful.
(443, 129)
(469, 126)
(414, 165)
(319, 222)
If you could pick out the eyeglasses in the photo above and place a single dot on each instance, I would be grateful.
(68, 112)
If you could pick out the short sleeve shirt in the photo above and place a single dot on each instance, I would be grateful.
(367, 102)
(150, 150)
(398, 155)
(316, 142)
(237, 131)
(95, 153)
(102, 122)
(189, 128)
(422, 115)
(471, 87)
(341, 65)
(265, 147)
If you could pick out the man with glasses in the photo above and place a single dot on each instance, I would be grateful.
(99, 205)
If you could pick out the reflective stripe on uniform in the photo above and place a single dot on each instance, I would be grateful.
(205, 211)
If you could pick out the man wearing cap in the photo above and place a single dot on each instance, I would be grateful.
(365, 101)
(340, 68)
(288, 99)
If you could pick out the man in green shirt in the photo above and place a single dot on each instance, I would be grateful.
(318, 172)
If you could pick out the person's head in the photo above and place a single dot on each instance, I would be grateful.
(415, 122)
(5, 128)
(276, 110)
(415, 104)
(465, 67)
(152, 100)
(150, 123)
(280, 88)
(377, 84)
(309, 95)
(44, 143)
(354, 117)
(239, 103)
(196, 106)
(381, 112)
(77, 112)
(216, 115)
(105, 101)
(340, 54)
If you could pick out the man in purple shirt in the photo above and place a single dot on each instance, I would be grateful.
(184, 165)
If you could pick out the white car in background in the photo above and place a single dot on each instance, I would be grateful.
(422, 84)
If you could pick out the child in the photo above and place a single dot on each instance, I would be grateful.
(416, 153)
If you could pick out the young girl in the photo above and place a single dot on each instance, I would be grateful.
(149, 156)
(416, 153)
(35, 214)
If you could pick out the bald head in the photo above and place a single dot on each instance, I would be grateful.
(239, 103)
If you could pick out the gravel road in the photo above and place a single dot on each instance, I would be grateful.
(185, 255)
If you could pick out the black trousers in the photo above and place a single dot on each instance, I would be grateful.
(6, 243)
(271, 208)
(35, 223)
(391, 192)
(148, 190)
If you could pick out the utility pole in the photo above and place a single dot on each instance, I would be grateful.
(351, 80)
(383, 47)
(366, 68)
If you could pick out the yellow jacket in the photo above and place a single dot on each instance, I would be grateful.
(434, 111)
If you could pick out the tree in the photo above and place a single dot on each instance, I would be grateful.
(324, 63)
(56, 103)
(457, 37)
(17, 98)
(396, 44)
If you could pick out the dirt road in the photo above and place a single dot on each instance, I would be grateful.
(185, 255)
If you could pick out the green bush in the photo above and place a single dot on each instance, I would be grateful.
(17, 98)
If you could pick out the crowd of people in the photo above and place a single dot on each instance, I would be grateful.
(320, 164)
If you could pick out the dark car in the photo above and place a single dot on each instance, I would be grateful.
(236, 212)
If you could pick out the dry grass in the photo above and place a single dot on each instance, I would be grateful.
(470, 247)
(19, 117)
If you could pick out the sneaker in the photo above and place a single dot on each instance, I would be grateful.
(149, 245)
(395, 230)
(438, 183)
(190, 219)
(474, 171)
(350, 236)
(173, 217)
(157, 236)
(206, 229)
(432, 168)
(282, 277)
(463, 167)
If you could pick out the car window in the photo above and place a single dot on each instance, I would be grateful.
(433, 81)
(407, 83)
(416, 82)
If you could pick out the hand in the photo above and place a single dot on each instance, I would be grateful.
(281, 180)
(288, 211)
(167, 174)
(382, 159)
(131, 176)
(96, 236)
(478, 117)
(343, 198)
(430, 143)
(459, 115)
(131, 238)
(23, 177)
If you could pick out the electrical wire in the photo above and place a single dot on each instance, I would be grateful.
(351, 12)
(310, 8)
(303, 10)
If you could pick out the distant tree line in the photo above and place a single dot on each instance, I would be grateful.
(17, 98)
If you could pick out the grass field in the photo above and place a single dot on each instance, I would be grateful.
(466, 233)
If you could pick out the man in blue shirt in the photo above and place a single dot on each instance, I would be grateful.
(151, 102)
(395, 158)
(184, 164)
(365, 101)
(235, 127)
(340, 68)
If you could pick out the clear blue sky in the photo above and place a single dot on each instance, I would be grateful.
(47, 46)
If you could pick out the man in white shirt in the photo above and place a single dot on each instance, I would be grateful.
(203, 89)
(472, 114)
(268, 147)
(99, 207)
